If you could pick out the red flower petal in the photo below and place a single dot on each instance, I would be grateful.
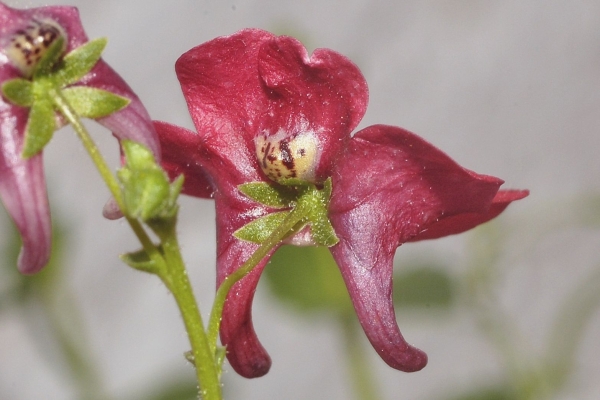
(244, 351)
(324, 93)
(23, 190)
(22, 185)
(463, 222)
(221, 85)
(182, 154)
(389, 186)
(252, 83)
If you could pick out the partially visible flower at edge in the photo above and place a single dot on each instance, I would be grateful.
(263, 108)
(22, 182)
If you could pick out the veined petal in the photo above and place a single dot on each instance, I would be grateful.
(409, 180)
(463, 222)
(245, 353)
(221, 85)
(132, 122)
(23, 190)
(323, 94)
(389, 186)
(182, 154)
(253, 83)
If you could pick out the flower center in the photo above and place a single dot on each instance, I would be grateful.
(28, 45)
(283, 157)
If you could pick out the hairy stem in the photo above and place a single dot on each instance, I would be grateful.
(287, 227)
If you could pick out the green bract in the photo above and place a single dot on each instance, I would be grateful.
(303, 197)
(147, 193)
(50, 79)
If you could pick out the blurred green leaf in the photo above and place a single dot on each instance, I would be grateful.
(424, 286)
(308, 279)
(492, 393)
(19, 287)
(174, 390)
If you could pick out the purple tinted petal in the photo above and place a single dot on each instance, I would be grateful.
(389, 186)
(182, 154)
(324, 93)
(221, 85)
(244, 351)
(23, 191)
(368, 278)
(132, 122)
(463, 222)
(252, 82)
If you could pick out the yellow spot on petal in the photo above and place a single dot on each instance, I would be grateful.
(282, 156)
(29, 44)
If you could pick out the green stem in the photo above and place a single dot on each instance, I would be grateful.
(176, 279)
(296, 216)
(363, 380)
(170, 268)
(113, 185)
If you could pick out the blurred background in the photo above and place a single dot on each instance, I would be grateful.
(507, 311)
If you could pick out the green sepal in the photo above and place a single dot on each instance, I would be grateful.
(147, 192)
(94, 103)
(322, 231)
(141, 261)
(80, 61)
(40, 127)
(50, 58)
(317, 201)
(293, 182)
(269, 195)
(261, 228)
(19, 92)
(327, 189)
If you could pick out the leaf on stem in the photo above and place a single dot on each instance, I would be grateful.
(141, 261)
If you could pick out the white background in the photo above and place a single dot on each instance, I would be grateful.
(509, 88)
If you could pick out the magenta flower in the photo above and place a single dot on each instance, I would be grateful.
(266, 111)
(24, 37)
